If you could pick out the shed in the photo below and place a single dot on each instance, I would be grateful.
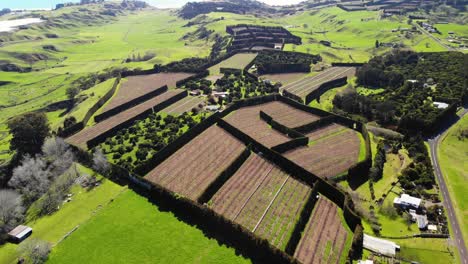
(381, 246)
(20, 233)
(212, 108)
(422, 221)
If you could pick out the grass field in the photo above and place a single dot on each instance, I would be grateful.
(53, 227)
(453, 156)
(131, 230)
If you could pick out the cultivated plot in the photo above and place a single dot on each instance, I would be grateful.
(135, 86)
(305, 86)
(248, 120)
(262, 198)
(284, 78)
(324, 238)
(331, 151)
(184, 105)
(82, 137)
(237, 61)
(191, 169)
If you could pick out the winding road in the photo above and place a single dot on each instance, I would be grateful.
(457, 234)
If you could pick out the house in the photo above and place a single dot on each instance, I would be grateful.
(20, 233)
(407, 202)
(440, 105)
(381, 246)
(365, 261)
(432, 228)
(278, 46)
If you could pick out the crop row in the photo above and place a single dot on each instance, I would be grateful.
(248, 120)
(287, 115)
(137, 86)
(329, 156)
(324, 238)
(325, 131)
(283, 214)
(304, 86)
(262, 198)
(191, 169)
(107, 125)
(184, 105)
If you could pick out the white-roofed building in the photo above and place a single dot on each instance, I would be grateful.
(365, 261)
(381, 246)
(440, 105)
(20, 233)
(407, 201)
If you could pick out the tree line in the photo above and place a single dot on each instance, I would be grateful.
(411, 82)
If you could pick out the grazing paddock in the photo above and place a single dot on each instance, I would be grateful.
(247, 119)
(284, 78)
(330, 155)
(237, 61)
(82, 137)
(131, 230)
(192, 168)
(324, 237)
(305, 86)
(263, 199)
(184, 105)
(135, 86)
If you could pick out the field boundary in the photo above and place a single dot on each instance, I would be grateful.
(101, 137)
(239, 235)
(224, 176)
(130, 104)
(81, 125)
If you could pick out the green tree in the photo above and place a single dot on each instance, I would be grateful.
(72, 92)
(29, 133)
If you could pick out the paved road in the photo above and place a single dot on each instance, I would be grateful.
(433, 37)
(457, 234)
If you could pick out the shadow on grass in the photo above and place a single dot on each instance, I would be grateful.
(210, 231)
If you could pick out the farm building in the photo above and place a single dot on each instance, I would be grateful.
(422, 221)
(20, 233)
(212, 107)
(384, 247)
(407, 201)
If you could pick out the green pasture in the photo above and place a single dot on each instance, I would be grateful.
(453, 156)
(325, 102)
(132, 230)
(53, 228)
